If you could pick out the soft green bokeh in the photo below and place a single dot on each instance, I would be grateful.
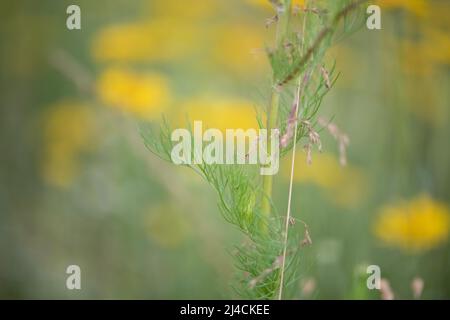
(77, 185)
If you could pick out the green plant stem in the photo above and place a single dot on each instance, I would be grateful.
(272, 115)
(268, 180)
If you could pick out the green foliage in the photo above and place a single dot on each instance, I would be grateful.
(302, 41)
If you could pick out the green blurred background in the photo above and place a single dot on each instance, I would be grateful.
(77, 185)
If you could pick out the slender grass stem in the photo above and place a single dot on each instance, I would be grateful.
(272, 115)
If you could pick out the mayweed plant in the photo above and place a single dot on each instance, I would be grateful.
(268, 261)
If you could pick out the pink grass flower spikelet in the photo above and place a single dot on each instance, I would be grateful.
(341, 138)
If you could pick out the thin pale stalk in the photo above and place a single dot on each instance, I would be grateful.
(291, 179)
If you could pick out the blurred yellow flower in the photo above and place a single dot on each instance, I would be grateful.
(267, 5)
(68, 131)
(437, 45)
(142, 94)
(219, 113)
(418, 7)
(239, 48)
(417, 225)
(424, 54)
(166, 226)
(346, 186)
(160, 39)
